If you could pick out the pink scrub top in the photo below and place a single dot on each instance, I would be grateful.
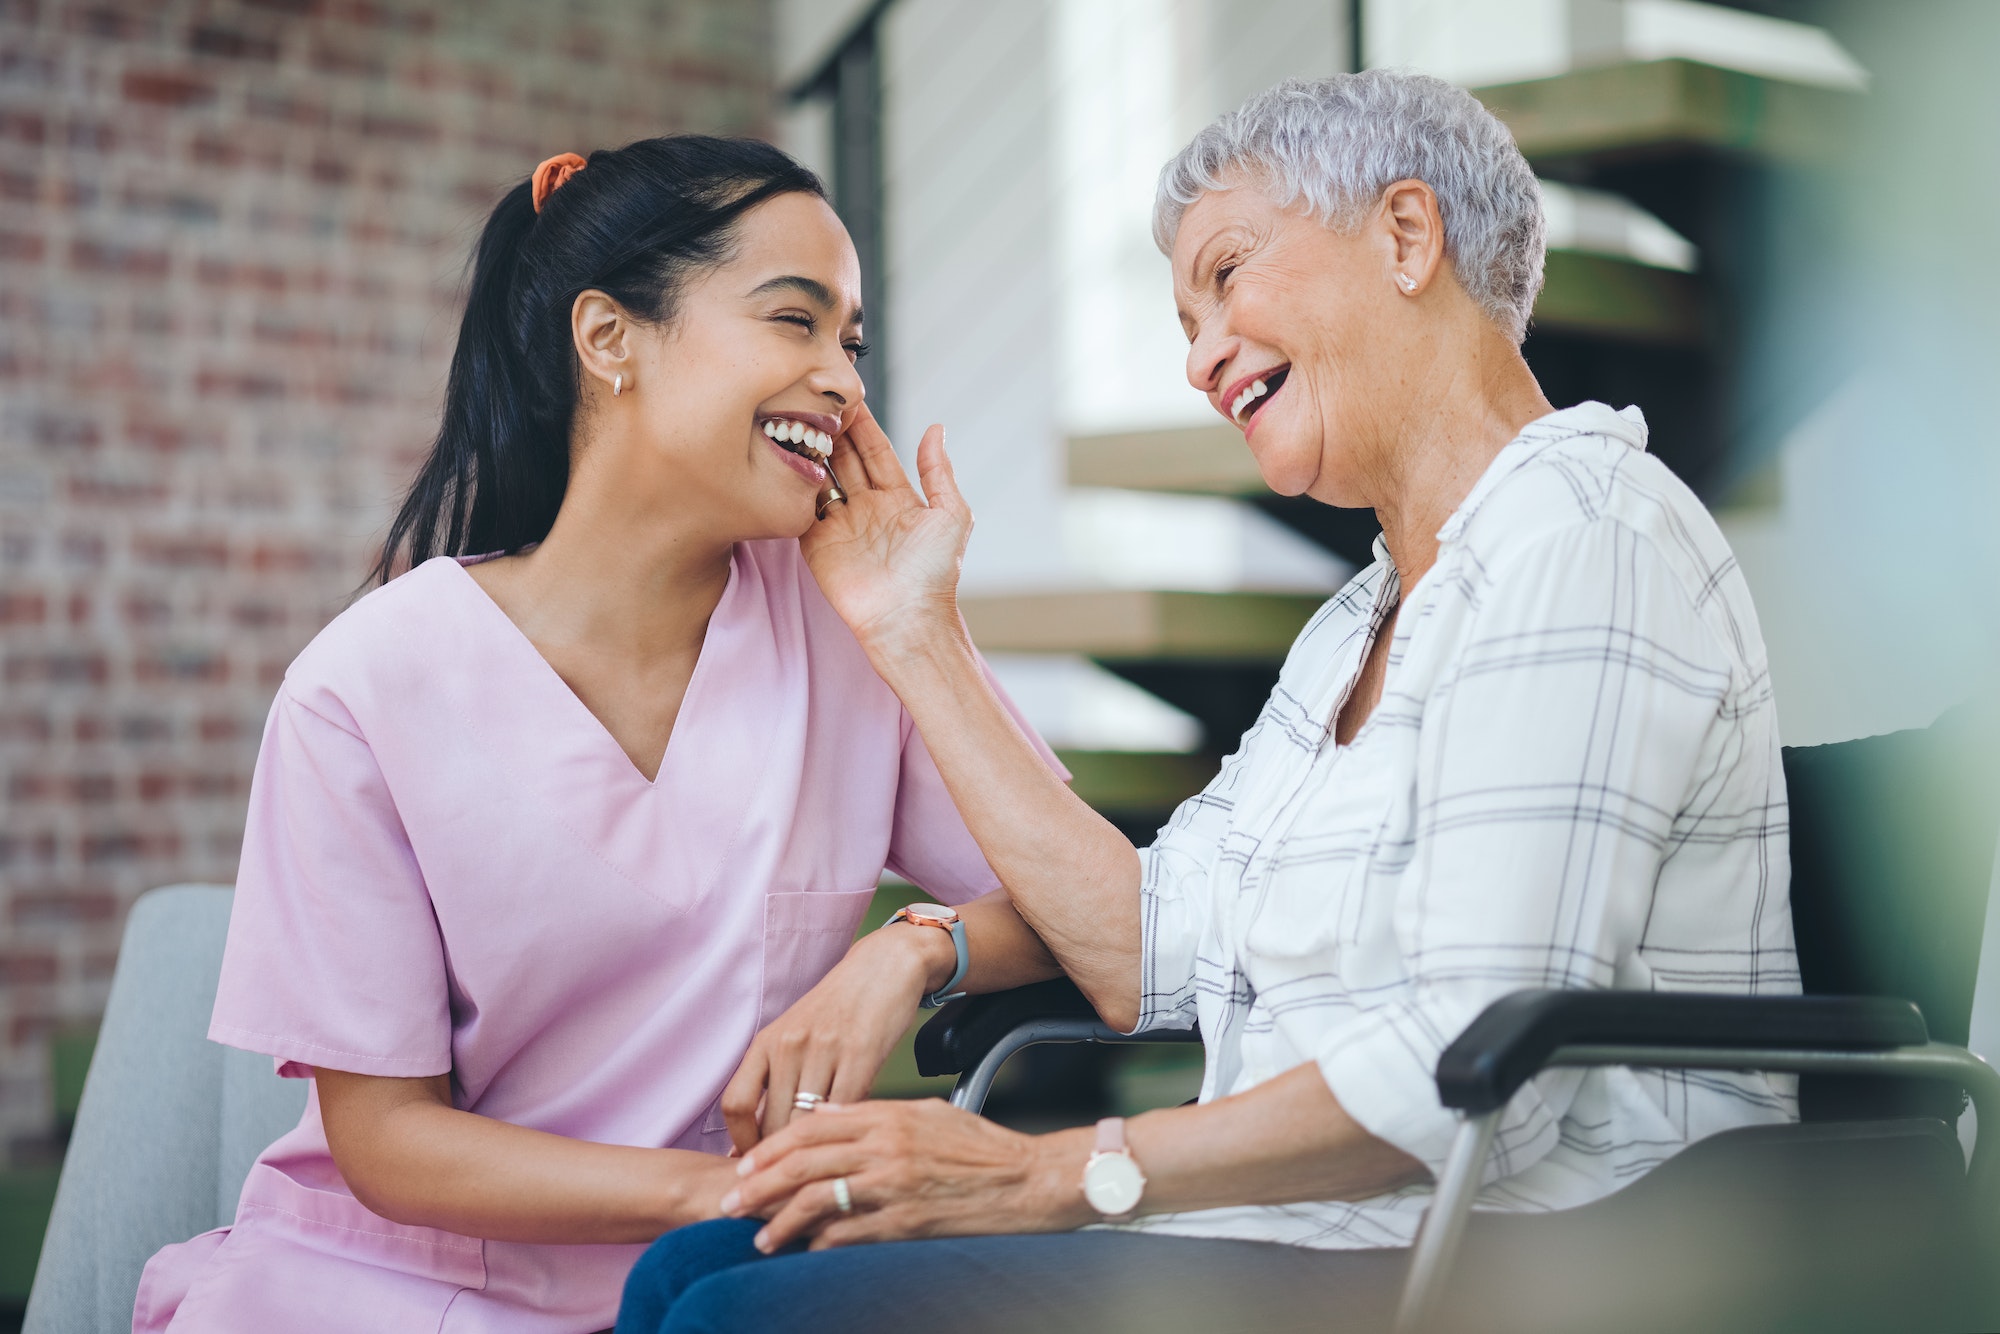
(451, 867)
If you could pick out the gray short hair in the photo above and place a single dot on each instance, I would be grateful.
(1338, 143)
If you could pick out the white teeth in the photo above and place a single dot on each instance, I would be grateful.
(1243, 400)
(798, 433)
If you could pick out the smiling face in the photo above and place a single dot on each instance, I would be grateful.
(723, 408)
(1300, 336)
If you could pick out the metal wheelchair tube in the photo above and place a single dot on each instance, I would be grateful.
(1445, 1221)
(972, 1087)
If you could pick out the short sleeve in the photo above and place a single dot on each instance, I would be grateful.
(334, 957)
(930, 845)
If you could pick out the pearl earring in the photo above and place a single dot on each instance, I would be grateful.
(618, 384)
(1406, 282)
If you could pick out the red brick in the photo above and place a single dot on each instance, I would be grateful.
(398, 129)
(23, 246)
(167, 88)
(109, 489)
(214, 150)
(181, 551)
(19, 966)
(143, 609)
(188, 664)
(23, 127)
(63, 430)
(124, 261)
(217, 39)
(60, 669)
(90, 136)
(26, 725)
(286, 108)
(220, 727)
(23, 608)
(141, 728)
(238, 385)
(127, 845)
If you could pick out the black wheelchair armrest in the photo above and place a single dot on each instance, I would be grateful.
(962, 1034)
(1513, 1038)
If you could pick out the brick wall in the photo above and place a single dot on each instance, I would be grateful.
(231, 237)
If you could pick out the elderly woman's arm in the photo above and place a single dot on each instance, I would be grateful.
(928, 1169)
(888, 562)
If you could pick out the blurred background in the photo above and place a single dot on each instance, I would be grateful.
(232, 236)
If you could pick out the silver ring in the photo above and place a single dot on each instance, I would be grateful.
(843, 1198)
(807, 1102)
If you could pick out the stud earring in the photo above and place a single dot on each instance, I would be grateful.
(1406, 282)
(618, 384)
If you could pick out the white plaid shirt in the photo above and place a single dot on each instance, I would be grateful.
(1572, 780)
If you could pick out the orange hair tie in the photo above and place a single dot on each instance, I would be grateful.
(551, 175)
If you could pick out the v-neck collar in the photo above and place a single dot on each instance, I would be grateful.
(558, 759)
(586, 717)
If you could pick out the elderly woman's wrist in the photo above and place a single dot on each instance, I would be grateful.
(1055, 1200)
(923, 632)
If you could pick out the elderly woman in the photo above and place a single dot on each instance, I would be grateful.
(1532, 745)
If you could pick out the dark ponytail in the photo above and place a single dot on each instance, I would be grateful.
(634, 222)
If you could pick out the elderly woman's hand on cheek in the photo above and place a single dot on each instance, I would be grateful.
(911, 1169)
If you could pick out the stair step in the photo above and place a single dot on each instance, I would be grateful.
(1211, 460)
(1143, 624)
(1646, 108)
(1615, 298)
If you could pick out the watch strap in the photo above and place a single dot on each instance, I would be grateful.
(1111, 1135)
(947, 993)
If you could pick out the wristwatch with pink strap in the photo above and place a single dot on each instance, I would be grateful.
(1112, 1181)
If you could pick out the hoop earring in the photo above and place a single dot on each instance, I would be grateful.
(618, 384)
(1407, 283)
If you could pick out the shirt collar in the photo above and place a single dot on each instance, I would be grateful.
(1627, 425)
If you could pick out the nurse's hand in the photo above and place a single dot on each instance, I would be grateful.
(913, 1169)
(834, 1039)
(888, 559)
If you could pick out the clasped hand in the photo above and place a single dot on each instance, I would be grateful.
(913, 1169)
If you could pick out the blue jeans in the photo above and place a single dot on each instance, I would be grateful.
(707, 1279)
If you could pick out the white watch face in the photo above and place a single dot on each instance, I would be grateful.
(932, 913)
(1113, 1183)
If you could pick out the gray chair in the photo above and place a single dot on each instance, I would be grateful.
(169, 1125)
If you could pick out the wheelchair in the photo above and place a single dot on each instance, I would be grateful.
(1863, 1216)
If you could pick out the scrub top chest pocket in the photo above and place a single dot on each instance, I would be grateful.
(805, 935)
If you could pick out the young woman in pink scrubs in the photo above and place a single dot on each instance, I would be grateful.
(547, 829)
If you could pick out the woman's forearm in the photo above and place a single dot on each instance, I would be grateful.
(1285, 1141)
(1071, 875)
(1002, 950)
(411, 1157)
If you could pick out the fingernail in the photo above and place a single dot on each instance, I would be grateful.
(763, 1242)
(732, 1202)
(747, 1166)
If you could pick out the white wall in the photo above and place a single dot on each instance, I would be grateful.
(971, 266)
